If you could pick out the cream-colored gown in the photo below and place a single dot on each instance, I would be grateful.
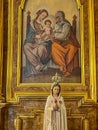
(55, 120)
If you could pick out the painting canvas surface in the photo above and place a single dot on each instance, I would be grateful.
(43, 54)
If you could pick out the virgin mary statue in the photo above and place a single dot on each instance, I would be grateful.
(55, 117)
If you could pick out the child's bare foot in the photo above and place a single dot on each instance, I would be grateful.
(67, 74)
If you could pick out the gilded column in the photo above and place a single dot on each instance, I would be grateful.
(85, 124)
(2, 105)
(1, 48)
(18, 124)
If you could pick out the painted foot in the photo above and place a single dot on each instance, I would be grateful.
(66, 74)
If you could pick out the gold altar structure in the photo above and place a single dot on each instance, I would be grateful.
(22, 103)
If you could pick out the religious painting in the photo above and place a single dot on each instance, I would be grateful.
(50, 41)
(51, 38)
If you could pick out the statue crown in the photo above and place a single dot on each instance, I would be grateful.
(56, 78)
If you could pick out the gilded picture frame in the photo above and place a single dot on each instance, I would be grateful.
(85, 88)
(33, 70)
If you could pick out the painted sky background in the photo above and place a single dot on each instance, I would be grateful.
(68, 6)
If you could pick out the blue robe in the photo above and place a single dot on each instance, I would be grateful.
(31, 39)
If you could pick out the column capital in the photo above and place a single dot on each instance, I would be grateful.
(3, 105)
